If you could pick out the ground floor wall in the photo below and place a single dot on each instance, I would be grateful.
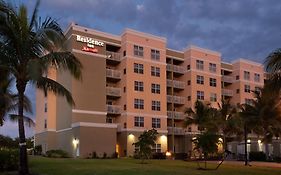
(46, 139)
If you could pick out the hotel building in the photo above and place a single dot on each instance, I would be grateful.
(133, 83)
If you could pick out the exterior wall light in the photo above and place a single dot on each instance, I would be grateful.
(168, 154)
(75, 142)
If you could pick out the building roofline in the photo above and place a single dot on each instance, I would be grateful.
(247, 61)
(143, 34)
(202, 50)
(91, 31)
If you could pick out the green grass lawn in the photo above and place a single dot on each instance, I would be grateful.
(50, 166)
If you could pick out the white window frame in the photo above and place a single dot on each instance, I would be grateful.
(156, 123)
(247, 88)
(155, 71)
(138, 51)
(257, 77)
(155, 88)
(199, 79)
(138, 68)
(156, 148)
(138, 103)
(155, 54)
(213, 97)
(155, 105)
(246, 75)
(213, 82)
(199, 64)
(138, 86)
(200, 95)
(212, 67)
(139, 121)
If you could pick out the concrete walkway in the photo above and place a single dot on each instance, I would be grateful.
(255, 164)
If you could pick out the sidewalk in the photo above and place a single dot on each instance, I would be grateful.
(255, 164)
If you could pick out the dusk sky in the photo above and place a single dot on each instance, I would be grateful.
(248, 29)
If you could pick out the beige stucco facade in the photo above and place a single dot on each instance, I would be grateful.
(132, 83)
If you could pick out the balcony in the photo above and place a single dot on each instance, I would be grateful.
(227, 92)
(113, 109)
(180, 85)
(113, 75)
(113, 57)
(176, 69)
(176, 99)
(113, 92)
(227, 79)
(177, 115)
(177, 131)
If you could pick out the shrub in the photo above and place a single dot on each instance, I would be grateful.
(158, 156)
(57, 154)
(277, 159)
(38, 150)
(9, 159)
(114, 155)
(180, 156)
(104, 156)
(257, 156)
(94, 155)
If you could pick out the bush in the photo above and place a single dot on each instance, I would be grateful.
(158, 156)
(114, 155)
(57, 154)
(257, 156)
(180, 156)
(277, 159)
(94, 155)
(9, 159)
(38, 150)
(104, 156)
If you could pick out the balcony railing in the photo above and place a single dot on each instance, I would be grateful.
(177, 131)
(227, 79)
(177, 115)
(110, 73)
(113, 109)
(113, 56)
(112, 91)
(176, 99)
(175, 68)
(227, 92)
(176, 84)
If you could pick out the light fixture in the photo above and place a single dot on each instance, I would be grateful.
(168, 154)
(248, 141)
(220, 140)
(259, 141)
(75, 141)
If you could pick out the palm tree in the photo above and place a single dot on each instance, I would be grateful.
(28, 47)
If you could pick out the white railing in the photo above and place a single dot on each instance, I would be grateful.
(113, 109)
(177, 84)
(177, 115)
(113, 73)
(227, 92)
(112, 91)
(177, 130)
(115, 56)
(175, 68)
(228, 79)
(176, 99)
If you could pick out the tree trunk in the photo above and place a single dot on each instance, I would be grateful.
(245, 141)
(23, 164)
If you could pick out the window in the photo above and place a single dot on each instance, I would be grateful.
(257, 77)
(237, 91)
(248, 101)
(155, 54)
(139, 121)
(124, 71)
(138, 86)
(212, 67)
(188, 82)
(156, 123)
(138, 51)
(237, 77)
(258, 90)
(199, 65)
(155, 105)
(138, 68)
(125, 107)
(139, 103)
(45, 107)
(199, 79)
(45, 123)
(188, 98)
(200, 95)
(156, 148)
(213, 82)
(247, 88)
(124, 89)
(124, 53)
(213, 97)
(246, 75)
(109, 120)
(155, 71)
(155, 88)
(188, 67)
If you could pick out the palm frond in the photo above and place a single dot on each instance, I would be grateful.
(273, 61)
(64, 60)
(33, 21)
(27, 120)
(47, 84)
